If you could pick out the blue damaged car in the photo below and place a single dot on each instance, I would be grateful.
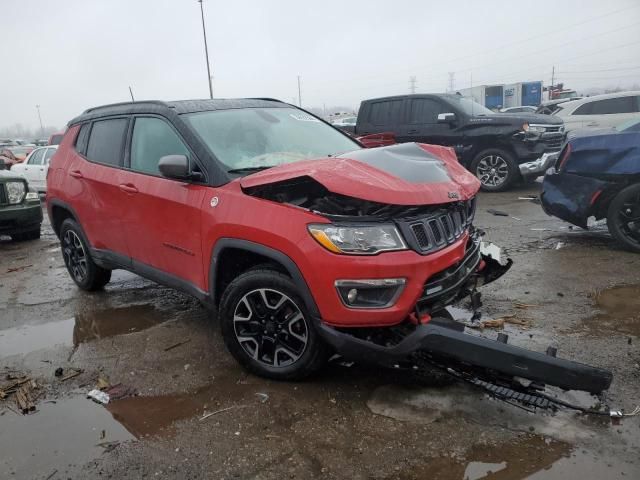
(598, 174)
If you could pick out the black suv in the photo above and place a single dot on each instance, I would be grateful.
(499, 148)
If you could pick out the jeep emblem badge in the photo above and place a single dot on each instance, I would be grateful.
(214, 201)
(453, 195)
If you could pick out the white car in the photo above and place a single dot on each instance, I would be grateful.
(345, 121)
(35, 167)
(600, 111)
(520, 109)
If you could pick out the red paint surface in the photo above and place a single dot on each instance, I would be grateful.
(172, 225)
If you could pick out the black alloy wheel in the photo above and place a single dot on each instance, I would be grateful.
(270, 327)
(75, 257)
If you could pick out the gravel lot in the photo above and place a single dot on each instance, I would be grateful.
(350, 421)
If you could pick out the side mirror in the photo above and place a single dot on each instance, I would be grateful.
(446, 117)
(177, 166)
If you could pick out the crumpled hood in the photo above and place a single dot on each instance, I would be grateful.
(403, 174)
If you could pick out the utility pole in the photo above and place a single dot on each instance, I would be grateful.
(412, 84)
(452, 81)
(206, 50)
(40, 118)
(553, 76)
(299, 94)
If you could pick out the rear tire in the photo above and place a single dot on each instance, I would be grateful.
(77, 258)
(623, 218)
(267, 328)
(496, 169)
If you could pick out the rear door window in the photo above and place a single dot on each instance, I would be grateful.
(106, 141)
(81, 139)
(48, 155)
(386, 112)
(36, 158)
(153, 138)
(425, 110)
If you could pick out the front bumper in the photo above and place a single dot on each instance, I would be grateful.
(453, 347)
(20, 218)
(539, 166)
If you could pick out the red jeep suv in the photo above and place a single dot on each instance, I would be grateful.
(305, 242)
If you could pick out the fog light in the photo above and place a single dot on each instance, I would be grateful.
(351, 296)
(373, 293)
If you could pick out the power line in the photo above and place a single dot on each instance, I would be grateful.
(517, 42)
(590, 54)
(601, 70)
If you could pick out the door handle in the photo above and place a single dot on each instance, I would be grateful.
(412, 131)
(592, 124)
(76, 174)
(128, 188)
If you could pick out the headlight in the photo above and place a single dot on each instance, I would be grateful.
(358, 240)
(533, 128)
(15, 191)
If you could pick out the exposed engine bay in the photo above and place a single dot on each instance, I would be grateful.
(307, 193)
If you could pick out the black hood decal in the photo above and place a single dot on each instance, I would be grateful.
(405, 160)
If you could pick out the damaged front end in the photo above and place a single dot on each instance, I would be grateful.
(432, 208)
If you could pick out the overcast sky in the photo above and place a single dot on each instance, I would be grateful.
(68, 55)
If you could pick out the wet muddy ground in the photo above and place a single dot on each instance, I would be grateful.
(198, 415)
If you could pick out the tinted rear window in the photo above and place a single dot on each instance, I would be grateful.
(385, 113)
(106, 141)
(425, 110)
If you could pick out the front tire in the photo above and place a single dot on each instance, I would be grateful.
(623, 218)
(267, 328)
(496, 169)
(77, 258)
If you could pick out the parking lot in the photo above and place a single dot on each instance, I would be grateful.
(197, 414)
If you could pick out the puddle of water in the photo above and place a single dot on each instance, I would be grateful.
(515, 460)
(57, 435)
(155, 415)
(85, 327)
(477, 470)
(21, 340)
(93, 325)
(620, 308)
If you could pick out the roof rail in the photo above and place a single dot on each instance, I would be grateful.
(140, 102)
(267, 99)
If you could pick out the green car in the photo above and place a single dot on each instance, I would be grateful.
(20, 210)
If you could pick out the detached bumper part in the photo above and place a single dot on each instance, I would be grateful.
(540, 165)
(569, 196)
(457, 348)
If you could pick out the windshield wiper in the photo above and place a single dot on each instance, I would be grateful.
(250, 169)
